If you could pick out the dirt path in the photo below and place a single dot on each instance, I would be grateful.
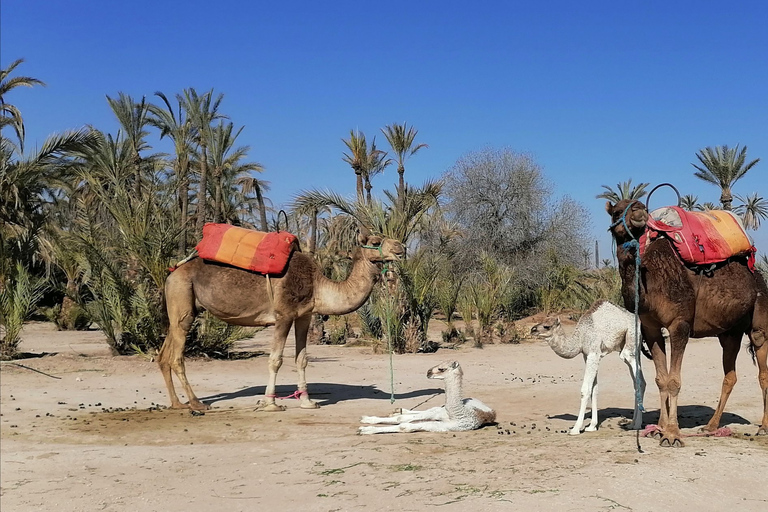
(95, 439)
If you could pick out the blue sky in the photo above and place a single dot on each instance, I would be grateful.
(598, 92)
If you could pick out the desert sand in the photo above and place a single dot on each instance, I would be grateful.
(85, 431)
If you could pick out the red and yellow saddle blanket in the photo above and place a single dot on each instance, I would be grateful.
(700, 238)
(266, 253)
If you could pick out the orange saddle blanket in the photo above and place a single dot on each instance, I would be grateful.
(266, 253)
(700, 238)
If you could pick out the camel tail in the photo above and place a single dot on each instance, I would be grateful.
(165, 321)
(753, 352)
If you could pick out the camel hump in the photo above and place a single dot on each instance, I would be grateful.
(266, 253)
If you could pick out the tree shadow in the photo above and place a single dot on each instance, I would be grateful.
(324, 393)
(688, 416)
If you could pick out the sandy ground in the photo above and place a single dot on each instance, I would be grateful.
(84, 433)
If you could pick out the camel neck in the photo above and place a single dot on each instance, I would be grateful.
(564, 346)
(342, 297)
(453, 393)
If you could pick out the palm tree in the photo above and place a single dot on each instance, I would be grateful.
(9, 114)
(134, 119)
(624, 190)
(704, 207)
(250, 185)
(689, 202)
(202, 111)
(753, 210)
(225, 158)
(401, 139)
(177, 126)
(723, 166)
(376, 163)
(358, 158)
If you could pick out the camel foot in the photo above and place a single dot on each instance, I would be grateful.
(708, 428)
(198, 406)
(366, 431)
(672, 439)
(763, 431)
(309, 404)
(179, 405)
(269, 407)
(591, 428)
(574, 431)
(371, 420)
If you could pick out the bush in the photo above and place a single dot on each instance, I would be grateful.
(215, 338)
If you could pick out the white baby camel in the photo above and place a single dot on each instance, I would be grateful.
(605, 328)
(456, 415)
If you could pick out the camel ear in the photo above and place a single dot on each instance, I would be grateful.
(609, 208)
(375, 241)
(557, 322)
(455, 365)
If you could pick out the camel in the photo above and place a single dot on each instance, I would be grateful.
(726, 301)
(242, 297)
(456, 415)
(605, 328)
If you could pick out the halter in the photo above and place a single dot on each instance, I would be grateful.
(385, 267)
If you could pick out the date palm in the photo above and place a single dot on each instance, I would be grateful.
(357, 158)
(402, 138)
(225, 158)
(376, 163)
(177, 126)
(753, 210)
(624, 190)
(251, 185)
(723, 166)
(133, 117)
(689, 202)
(202, 110)
(9, 114)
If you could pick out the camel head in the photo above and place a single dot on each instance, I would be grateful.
(377, 249)
(444, 369)
(547, 328)
(635, 215)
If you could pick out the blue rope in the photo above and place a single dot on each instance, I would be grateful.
(634, 244)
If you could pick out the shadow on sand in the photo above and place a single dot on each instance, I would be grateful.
(689, 416)
(326, 393)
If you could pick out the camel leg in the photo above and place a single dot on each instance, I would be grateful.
(731, 342)
(426, 426)
(301, 328)
(628, 356)
(587, 389)
(282, 327)
(758, 336)
(678, 335)
(657, 346)
(181, 314)
(433, 414)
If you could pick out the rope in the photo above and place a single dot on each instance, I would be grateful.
(384, 270)
(634, 244)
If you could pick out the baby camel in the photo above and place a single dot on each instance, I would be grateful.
(605, 328)
(456, 415)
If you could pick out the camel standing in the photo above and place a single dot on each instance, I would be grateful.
(458, 414)
(726, 302)
(247, 298)
(605, 328)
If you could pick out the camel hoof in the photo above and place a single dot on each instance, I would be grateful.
(675, 442)
(198, 406)
(574, 432)
(179, 405)
(763, 431)
(708, 429)
(309, 404)
(590, 429)
(365, 430)
(269, 407)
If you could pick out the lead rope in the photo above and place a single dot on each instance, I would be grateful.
(634, 244)
(388, 324)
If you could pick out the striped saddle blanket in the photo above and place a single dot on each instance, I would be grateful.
(266, 253)
(700, 238)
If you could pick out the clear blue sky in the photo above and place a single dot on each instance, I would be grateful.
(598, 92)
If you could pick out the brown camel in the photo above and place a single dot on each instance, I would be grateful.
(727, 302)
(242, 297)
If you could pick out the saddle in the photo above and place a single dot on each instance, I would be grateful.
(700, 238)
(266, 253)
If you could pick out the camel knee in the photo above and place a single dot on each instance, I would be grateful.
(275, 363)
(730, 379)
(673, 386)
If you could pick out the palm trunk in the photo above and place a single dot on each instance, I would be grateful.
(726, 199)
(368, 188)
(217, 213)
(313, 235)
(262, 209)
(201, 192)
(184, 205)
(401, 183)
(360, 196)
